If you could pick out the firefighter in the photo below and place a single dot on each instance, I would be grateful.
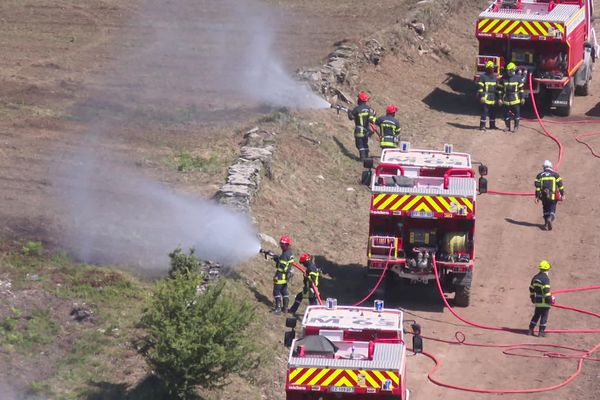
(548, 184)
(362, 115)
(541, 297)
(311, 278)
(511, 91)
(389, 128)
(283, 272)
(487, 92)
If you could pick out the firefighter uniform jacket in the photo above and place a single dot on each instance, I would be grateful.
(547, 183)
(389, 128)
(511, 90)
(283, 263)
(362, 115)
(488, 88)
(311, 277)
(539, 290)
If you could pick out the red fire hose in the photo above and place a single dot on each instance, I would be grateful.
(312, 284)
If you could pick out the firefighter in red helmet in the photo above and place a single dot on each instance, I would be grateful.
(283, 273)
(389, 128)
(363, 116)
(311, 283)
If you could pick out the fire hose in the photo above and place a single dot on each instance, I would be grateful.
(312, 284)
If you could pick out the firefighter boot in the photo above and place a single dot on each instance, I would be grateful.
(286, 302)
(530, 331)
(482, 125)
(546, 224)
(493, 124)
(277, 308)
(516, 127)
(542, 331)
(507, 123)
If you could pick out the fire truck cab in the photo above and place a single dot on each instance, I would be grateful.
(347, 353)
(553, 41)
(423, 206)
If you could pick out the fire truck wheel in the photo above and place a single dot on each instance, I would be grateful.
(462, 296)
(565, 111)
(583, 90)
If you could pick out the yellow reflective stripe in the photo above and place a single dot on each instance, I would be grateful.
(344, 382)
(399, 202)
(331, 377)
(491, 25)
(378, 198)
(318, 377)
(295, 372)
(511, 27)
(501, 26)
(433, 204)
(369, 378)
(521, 31)
(308, 373)
(540, 28)
(530, 27)
(482, 22)
(560, 28)
(380, 376)
(395, 377)
(548, 25)
(352, 374)
(388, 201)
(411, 203)
(468, 203)
(444, 202)
(423, 207)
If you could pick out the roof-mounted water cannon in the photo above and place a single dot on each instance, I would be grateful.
(331, 303)
(448, 148)
(404, 146)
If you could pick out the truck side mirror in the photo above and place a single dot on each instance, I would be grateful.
(290, 322)
(482, 185)
(417, 344)
(483, 170)
(288, 338)
(366, 176)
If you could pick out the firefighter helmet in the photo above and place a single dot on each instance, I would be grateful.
(363, 96)
(490, 65)
(305, 258)
(511, 66)
(391, 109)
(547, 164)
(285, 240)
(544, 265)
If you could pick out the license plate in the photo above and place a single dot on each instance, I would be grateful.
(341, 389)
(422, 214)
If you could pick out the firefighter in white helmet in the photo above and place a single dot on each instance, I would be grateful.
(548, 185)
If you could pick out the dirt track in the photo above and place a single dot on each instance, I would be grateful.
(42, 83)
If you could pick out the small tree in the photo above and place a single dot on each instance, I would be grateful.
(181, 262)
(196, 339)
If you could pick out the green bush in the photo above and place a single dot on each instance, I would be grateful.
(32, 248)
(181, 262)
(196, 338)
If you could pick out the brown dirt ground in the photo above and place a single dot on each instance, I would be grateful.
(49, 77)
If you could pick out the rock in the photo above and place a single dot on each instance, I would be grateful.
(253, 130)
(342, 96)
(321, 177)
(81, 312)
(445, 49)
(239, 179)
(257, 153)
(229, 190)
(418, 27)
(268, 239)
(350, 189)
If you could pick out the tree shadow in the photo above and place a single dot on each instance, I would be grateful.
(345, 150)
(150, 388)
(459, 100)
(350, 284)
(524, 223)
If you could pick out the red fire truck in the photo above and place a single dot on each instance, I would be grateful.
(553, 40)
(423, 206)
(347, 353)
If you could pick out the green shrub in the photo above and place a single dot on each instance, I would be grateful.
(32, 248)
(181, 262)
(196, 338)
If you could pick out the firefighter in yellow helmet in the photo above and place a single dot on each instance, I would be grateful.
(511, 90)
(541, 297)
(487, 91)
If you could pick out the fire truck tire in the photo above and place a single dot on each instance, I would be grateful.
(565, 111)
(583, 90)
(462, 296)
